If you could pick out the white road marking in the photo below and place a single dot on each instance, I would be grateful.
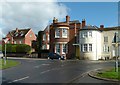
(44, 71)
(42, 65)
(19, 79)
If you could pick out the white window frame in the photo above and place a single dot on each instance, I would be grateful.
(84, 34)
(85, 47)
(90, 34)
(90, 47)
(106, 39)
(64, 33)
(44, 37)
(57, 33)
(66, 48)
(20, 42)
(57, 50)
(106, 48)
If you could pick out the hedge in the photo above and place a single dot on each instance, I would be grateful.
(17, 48)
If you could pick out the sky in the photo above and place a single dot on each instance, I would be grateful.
(37, 15)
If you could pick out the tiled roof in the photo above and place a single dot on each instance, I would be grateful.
(89, 27)
(20, 33)
(74, 21)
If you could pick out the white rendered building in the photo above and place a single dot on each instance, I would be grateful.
(97, 43)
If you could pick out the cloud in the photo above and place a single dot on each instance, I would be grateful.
(35, 15)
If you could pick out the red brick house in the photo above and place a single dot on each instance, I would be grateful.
(62, 36)
(21, 36)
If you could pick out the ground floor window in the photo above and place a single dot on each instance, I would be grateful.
(57, 46)
(86, 47)
(64, 48)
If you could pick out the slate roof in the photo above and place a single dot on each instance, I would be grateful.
(20, 33)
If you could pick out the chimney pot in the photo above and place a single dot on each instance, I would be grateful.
(55, 20)
(16, 29)
(101, 26)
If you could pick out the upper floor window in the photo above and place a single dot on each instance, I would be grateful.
(64, 33)
(20, 42)
(44, 37)
(57, 33)
(44, 47)
(84, 34)
(105, 39)
(48, 37)
(90, 34)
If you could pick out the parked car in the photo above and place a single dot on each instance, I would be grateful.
(55, 56)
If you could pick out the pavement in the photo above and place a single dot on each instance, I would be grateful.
(94, 72)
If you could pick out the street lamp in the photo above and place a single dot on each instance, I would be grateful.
(116, 57)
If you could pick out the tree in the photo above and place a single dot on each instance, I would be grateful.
(39, 41)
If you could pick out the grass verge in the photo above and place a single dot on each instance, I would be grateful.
(9, 63)
(110, 74)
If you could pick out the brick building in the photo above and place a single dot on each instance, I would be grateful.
(21, 36)
(59, 37)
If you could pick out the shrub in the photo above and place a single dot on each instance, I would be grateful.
(17, 48)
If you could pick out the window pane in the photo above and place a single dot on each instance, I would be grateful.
(57, 33)
(58, 48)
(85, 47)
(64, 33)
(90, 34)
(105, 39)
(64, 47)
(90, 47)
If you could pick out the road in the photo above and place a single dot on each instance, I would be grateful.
(52, 71)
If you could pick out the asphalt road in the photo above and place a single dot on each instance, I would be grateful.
(53, 71)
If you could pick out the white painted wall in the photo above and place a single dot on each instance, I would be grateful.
(95, 40)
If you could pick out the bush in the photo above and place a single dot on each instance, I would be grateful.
(17, 48)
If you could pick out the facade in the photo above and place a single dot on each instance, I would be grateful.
(62, 37)
(73, 39)
(97, 43)
(89, 43)
(45, 38)
(21, 36)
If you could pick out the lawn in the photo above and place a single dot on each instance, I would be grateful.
(9, 63)
(110, 74)
(0, 47)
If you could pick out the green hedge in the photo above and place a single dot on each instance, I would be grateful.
(17, 48)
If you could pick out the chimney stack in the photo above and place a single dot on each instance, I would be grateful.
(101, 26)
(83, 23)
(16, 29)
(55, 20)
(67, 19)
